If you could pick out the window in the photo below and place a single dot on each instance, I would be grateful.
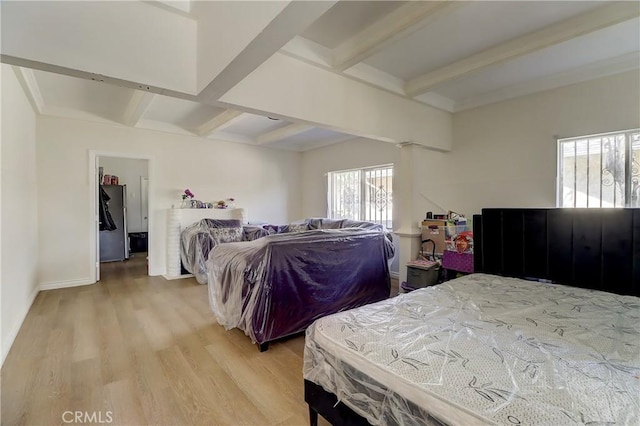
(599, 170)
(364, 194)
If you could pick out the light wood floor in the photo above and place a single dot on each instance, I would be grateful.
(150, 352)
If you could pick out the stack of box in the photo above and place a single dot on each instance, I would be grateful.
(443, 232)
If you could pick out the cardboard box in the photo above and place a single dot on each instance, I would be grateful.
(434, 230)
(442, 233)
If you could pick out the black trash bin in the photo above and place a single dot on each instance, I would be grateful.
(138, 242)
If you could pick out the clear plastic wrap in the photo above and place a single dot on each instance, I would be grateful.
(197, 240)
(278, 285)
(484, 349)
(250, 233)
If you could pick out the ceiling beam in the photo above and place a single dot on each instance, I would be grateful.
(568, 29)
(224, 119)
(329, 100)
(30, 86)
(281, 133)
(396, 25)
(138, 104)
(293, 19)
(150, 46)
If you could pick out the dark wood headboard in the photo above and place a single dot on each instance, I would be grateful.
(589, 248)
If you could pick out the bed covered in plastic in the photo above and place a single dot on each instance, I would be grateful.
(483, 349)
(278, 285)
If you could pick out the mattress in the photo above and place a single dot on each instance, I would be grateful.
(484, 349)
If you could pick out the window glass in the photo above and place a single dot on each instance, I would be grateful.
(599, 170)
(362, 194)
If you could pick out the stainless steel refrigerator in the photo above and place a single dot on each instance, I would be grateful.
(114, 244)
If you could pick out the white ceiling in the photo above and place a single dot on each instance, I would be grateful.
(471, 28)
(346, 19)
(179, 112)
(253, 126)
(612, 42)
(391, 45)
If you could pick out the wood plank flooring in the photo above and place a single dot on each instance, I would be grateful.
(148, 351)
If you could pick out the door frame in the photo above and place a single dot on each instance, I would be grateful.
(94, 221)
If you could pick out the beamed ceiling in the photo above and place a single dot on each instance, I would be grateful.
(304, 74)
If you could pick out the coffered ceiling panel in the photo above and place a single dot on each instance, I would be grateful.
(346, 19)
(74, 94)
(470, 29)
(312, 138)
(619, 42)
(251, 125)
(301, 67)
(182, 113)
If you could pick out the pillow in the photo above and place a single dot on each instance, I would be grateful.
(226, 235)
(272, 229)
(348, 223)
(222, 223)
(298, 227)
(250, 233)
(315, 223)
(224, 230)
(294, 227)
(331, 223)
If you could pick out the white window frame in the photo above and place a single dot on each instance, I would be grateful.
(363, 209)
(628, 167)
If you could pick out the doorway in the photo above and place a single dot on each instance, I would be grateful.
(121, 205)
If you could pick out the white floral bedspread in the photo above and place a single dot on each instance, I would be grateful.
(484, 349)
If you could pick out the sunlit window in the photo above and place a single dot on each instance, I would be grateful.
(599, 170)
(362, 194)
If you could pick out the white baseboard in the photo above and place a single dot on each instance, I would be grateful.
(8, 342)
(394, 275)
(177, 277)
(65, 284)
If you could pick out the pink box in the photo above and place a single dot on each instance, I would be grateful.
(461, 262)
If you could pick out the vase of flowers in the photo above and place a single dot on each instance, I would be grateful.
(187, 195)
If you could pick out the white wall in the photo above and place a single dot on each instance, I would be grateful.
(504, 154)
(19, 283)
(264, 181)
(129, 172)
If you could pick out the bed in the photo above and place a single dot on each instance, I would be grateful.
(278, 285)
(493, 348)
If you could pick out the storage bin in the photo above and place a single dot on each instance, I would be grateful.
(461, 262)
(138, 242)
(419, 278)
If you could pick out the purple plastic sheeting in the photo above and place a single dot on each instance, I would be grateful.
(278, 285)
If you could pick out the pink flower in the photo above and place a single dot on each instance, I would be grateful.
(188, 193)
